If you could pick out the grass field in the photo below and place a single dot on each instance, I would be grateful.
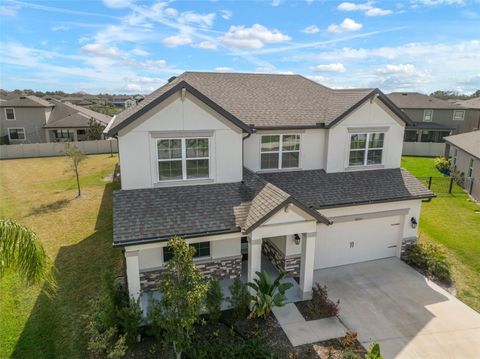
(76, 233)
(453, 222)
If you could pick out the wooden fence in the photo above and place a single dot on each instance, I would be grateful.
(56, 149)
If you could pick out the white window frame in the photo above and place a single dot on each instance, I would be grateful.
(460, 111)
(470, 168)
(14, 114)
(184, 158)
(280, 150)
(431, 115)
(17, 139)
(366, 149)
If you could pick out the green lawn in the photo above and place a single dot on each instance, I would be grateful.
(453, 222)
(76, 233)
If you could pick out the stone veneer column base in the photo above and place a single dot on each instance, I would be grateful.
(288, 264)
(221, 268)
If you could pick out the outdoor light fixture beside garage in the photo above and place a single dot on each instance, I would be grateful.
(413, 222)
(296, 239)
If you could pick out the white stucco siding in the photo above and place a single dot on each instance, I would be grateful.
(150, 258)
(312, 146)
(373, 116)
(225, 248)
(137, 141)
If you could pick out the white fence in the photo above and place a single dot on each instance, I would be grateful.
(427, 149)
(55, 149)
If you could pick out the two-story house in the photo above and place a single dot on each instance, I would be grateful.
(300, 175)
(432, 120)
(30, 119)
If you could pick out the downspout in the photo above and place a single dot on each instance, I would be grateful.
(243, 143)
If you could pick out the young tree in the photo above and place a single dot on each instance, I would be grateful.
(183, 290)
(21, 250)
(76, 156)
(94, 130)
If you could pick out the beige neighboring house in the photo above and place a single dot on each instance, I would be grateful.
(465, 154)
(432, 120)
(261, 172)
(30, 119)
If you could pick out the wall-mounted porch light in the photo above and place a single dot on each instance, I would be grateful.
(296, 239)
(413, 222)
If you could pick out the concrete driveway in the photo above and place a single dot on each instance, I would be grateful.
(388, 302)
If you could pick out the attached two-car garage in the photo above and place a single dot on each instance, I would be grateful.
(352, 239)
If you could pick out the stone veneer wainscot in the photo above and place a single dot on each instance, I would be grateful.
(289, 264)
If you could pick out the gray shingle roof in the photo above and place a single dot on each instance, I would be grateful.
(415, 100)
(263, 100)
(429, 126)
(65, 115)
(318, 189)
(156, 214)
(25, 101)
(468, 142)
(471, 103)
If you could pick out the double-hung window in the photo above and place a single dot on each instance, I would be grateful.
(366, 149)
(10, 114)
(183, 158)
(279, 151)
(202, 250)
(458, 115)
(16, 133)
(428, 115)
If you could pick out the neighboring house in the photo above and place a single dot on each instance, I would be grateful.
(473, 120)
(30, 119)
(433, 119)
(465, 157)
(258, 170)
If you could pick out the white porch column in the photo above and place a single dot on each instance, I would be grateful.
(306, 265)
(254, 256)
(133, 274)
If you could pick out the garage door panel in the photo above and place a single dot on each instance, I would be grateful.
(357, 241)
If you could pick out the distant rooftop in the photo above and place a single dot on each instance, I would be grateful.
(25, 101)
(415, 100)
(471, 103)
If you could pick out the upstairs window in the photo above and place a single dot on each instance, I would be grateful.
(280, 151)
(366, 149)
(428, 115)
(16, 133)
(458, 115)
(183, 158)
(202, 250)
(10, 114)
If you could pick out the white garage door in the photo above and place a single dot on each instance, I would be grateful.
(357, 241)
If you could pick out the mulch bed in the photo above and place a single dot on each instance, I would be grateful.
(230, 332)
(309, 313)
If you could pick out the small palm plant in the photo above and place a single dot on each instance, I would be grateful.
(268, 294)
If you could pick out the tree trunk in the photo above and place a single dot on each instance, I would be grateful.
(177, 354)
(78, 181)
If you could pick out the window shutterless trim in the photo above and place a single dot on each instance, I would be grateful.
(280, 151)
(431, 115)
(366, 149)
(14, 114)
(17, 139)
(463, 115)
(183, 159)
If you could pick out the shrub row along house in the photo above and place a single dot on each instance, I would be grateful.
(432, 120)
(30, 119)
(261, 171)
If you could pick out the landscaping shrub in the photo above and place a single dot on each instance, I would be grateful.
(349, 340)
(213, 301)
(443, 164)
(240, 298)
(253, 348)
(320, 306)
(350, 355)
(428, 258)
(105, 343)
(130, 320)
(374, 352)
(268, 293)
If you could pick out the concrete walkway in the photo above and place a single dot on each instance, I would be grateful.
(299, 331)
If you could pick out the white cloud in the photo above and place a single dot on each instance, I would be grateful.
(190, 17)
(134, 87)
(223, 69)
(276, 3)
(8, 10)
(117, 4)
(177, 40)
(337, 67)
(156, 63)
(171, 12)
(226, 14)
(397, 69)
(206, 45)
(367, 8)
(312, 29)
(346, 25)
(100, 50)
(60, 28)
(437, 2)
(254, 37)
(139, 52)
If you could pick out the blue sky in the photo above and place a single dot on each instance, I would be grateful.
(135, 46)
